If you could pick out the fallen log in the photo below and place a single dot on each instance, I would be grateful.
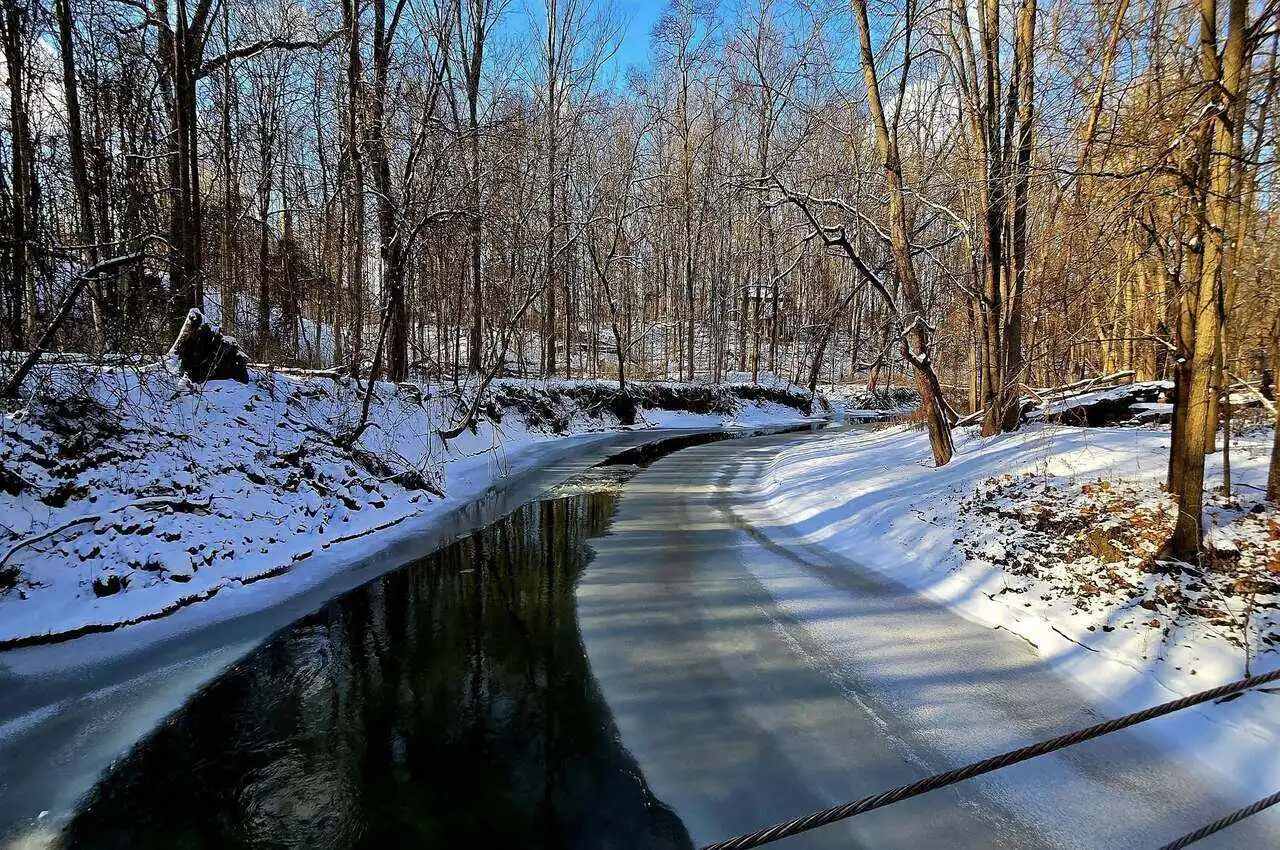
(1141, 402)
(336, 373)
(1085, 384)
(1040, 402)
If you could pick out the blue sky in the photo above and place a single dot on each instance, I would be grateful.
(524, 18)
(641, 16)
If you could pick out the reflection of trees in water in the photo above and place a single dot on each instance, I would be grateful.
(448, 704)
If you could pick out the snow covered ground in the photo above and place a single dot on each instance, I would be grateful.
(128, 494)
(1050, 534)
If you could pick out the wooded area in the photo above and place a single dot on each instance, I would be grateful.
(977, 196)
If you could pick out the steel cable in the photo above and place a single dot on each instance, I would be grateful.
(950, 777)
(1223, 822)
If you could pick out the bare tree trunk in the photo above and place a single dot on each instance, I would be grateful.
(975, 358)
(553, 106)
(567, 274)
(916, 343)
(75, 134)
(228, 287)
(23, 322)
(394, 251)
(1273, 472)
(994, 203)
(181, 50)
(1219, 180)
(355, 182)
(1024, 81)
(473, 57)
(265, 348)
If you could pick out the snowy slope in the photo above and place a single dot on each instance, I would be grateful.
(1130, 631)
(127, 494)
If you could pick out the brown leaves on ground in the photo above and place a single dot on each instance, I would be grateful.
(1096, 546)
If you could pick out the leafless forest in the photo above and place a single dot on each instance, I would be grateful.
(981, 197)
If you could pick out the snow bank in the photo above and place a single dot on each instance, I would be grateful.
(127, 494)
(1131, 636)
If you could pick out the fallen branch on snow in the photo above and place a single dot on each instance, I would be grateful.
(141, 504)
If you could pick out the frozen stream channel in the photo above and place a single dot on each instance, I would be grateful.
(622, 665)
(755, 679)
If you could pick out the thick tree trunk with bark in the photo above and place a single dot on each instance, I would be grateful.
(75, 132)
(1024, 86)
(180, 58)
(1219, 180)
(391, 236)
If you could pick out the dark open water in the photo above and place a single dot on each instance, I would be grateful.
(448, 704)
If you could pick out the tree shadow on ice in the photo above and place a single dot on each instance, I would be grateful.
(852, 670)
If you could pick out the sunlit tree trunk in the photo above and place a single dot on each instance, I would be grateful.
(916, 344)
(1273, 473)
(1206, 300)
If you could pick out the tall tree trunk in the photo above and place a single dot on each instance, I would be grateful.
(549, 320)
(744, 311)
(567, 275)
(24, 325)
(181, 50)
(993, 198)
(75, 133)
(553, 115)
(690, 303)
(1184, 339)
(473, 55)
(1024, 80)
(1219, 181)
(916, 343)
(227, 289)
(391, 240)
(266, 350)
(355, 182)
(1273, 473)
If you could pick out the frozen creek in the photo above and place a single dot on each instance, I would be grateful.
(624, 666)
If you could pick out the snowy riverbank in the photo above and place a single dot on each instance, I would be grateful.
(1050, 534)
(126, 495)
